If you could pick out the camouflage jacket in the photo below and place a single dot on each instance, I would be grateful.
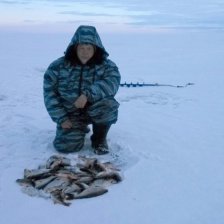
(64, 82)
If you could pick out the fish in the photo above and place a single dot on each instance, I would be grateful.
(109, 175)
(56, 184)
(58, 199)
(36, 173)
(25, 182)
(86, 163)
(83, 186)
(69, 175)
(72, 188)
(93, 165)
(63, 181)
(39, 184)
(86, 180)
(56, 161)
(90, 192)
(108, 166)
(103, 182)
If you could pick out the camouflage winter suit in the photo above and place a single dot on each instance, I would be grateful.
(64, 83)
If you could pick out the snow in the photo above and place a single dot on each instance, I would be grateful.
(168, 141)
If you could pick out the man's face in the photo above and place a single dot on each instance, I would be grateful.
(85, 52)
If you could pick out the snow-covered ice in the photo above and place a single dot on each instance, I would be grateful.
(168, 141)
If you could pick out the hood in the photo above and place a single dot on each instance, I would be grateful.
(88, 35)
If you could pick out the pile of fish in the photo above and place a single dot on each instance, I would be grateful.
(61, 181)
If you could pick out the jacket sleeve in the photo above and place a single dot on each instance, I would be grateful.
(51, 97)
(107, 86)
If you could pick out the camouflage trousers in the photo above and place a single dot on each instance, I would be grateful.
(72, 140)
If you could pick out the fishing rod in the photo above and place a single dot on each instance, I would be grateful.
(153, 84)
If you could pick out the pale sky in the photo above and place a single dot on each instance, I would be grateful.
(111, 15)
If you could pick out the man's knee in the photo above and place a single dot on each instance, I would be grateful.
(104, 111)
(69, 141)
(66, 146)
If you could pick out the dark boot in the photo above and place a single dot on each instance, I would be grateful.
(99, 141)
